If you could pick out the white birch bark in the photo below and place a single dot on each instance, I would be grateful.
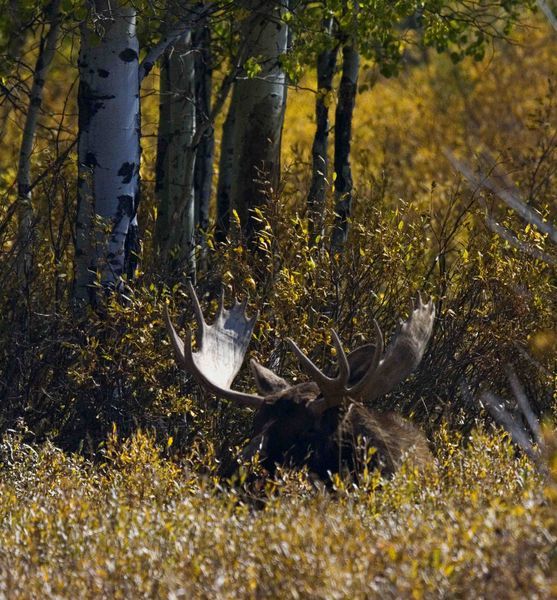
(175, 228)
(25, 206)
(546, 9)
(259, 104)
(108, 148)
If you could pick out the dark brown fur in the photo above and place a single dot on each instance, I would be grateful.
(286, 432)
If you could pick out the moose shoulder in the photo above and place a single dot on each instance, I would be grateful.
(322, 423)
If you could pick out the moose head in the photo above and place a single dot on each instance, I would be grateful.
(322, 423)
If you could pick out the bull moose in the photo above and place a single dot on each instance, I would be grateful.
(323, 423)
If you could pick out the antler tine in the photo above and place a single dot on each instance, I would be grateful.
(332, 388)
(379, 346)
(197, 310)
(221, 301)
(176, 341)
(220, 351)
(402, 356)
(307, 365)
(253, 320)
(343, 366)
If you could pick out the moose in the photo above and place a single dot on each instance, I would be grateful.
(322, 423)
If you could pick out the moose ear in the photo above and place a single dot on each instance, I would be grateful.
(359, 361)
(265, 380)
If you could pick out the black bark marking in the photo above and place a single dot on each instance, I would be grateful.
(84, 106)
(23, 189)
(89, 104)
(103, 73)
(125, 206)
(126, 171)
(147, 67)
(128, 55)
(132, 250)
(90, 160)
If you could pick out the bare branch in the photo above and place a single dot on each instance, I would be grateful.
(504, 418)
(548, 13)
(158, 50)
(510, 198)
(25, 209)
(513, 240)
(524, 405)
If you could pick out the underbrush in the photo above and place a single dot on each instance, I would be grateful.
(69, 380)
(480, 523)
(415, 226)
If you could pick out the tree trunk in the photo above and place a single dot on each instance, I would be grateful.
(25, 206)
(205, 150)
(108, 149)
(259, 112)
(343, 135)
(175, 228)
(226, 164)
(16, 38)
(326, 64)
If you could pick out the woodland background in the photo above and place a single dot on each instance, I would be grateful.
(442, 179)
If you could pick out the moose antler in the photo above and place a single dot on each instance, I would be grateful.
(221, 349)
(380, 374)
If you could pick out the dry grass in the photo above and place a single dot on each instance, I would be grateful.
(479, 524)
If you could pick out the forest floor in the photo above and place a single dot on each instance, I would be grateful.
(481, 523)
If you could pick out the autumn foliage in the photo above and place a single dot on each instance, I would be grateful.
(108, 463)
